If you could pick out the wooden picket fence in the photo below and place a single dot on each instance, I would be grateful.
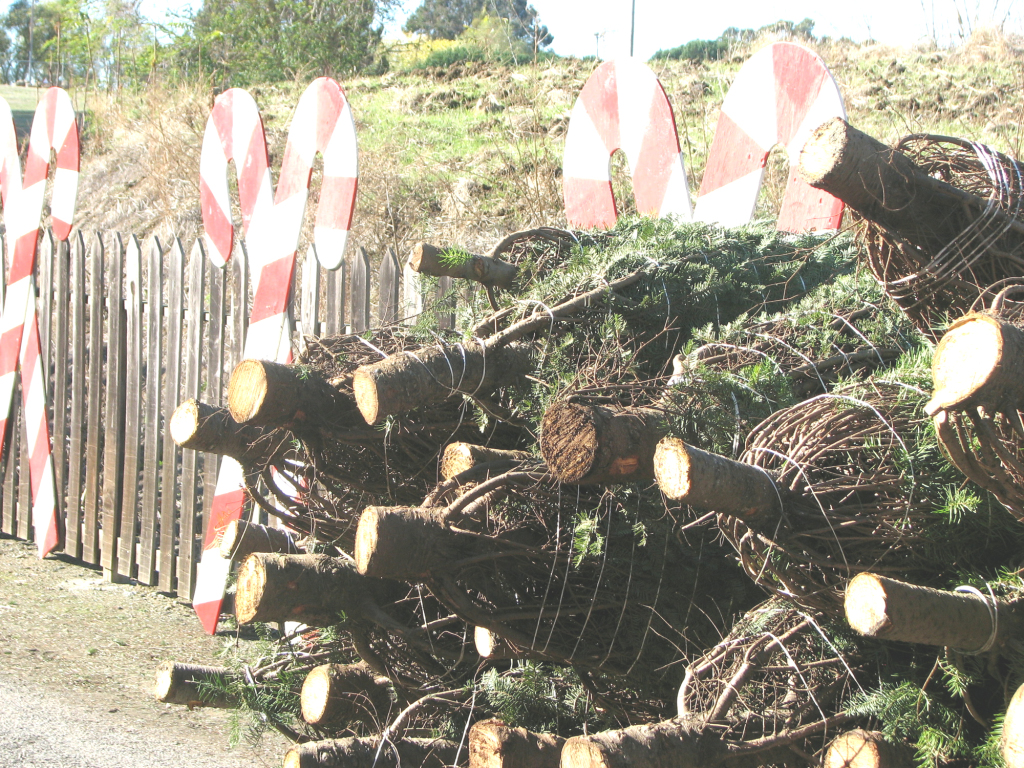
(130, 500)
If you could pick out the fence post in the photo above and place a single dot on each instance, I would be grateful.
(132, 405)
(151, 427)
(361, 292)
(93, 465)
(387, 291)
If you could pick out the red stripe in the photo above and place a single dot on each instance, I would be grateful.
(37, 461)
(10, 345)
(799, 74)
(589, 203)
(337, 202)
(227, 507)
(24, 260)
(294, 176)
(219, 227)
(806, 209)
(31, 356)
(251, 173)
(209, 614)
(733, 155)
(52, 537)
(330, 102)
(36, 167)
(50, 111)
(659, 152)
(223, 117)
(274, 286)
(600, 97)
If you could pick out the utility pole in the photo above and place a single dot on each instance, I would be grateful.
(597, 45)
(632, 28)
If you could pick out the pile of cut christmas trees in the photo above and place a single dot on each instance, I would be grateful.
(668, 495)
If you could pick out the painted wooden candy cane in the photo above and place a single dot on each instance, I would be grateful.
(622, 107)
(322, 123)
(780, 96)
(55, 128)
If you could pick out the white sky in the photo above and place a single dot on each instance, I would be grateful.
(668, 23)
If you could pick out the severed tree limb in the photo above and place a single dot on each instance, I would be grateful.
(460, 457)
(492, 744)
(334, 695)
(486, 270)
(210, 429)
(404, 542)
(877, 606)
(866, 749)
(269, 394)
(193, 685)
(362, 752)
(241, 538)
(493, 647)
(1012, 744)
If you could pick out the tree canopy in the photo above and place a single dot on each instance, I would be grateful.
(447, 19)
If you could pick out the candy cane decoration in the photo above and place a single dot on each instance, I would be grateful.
(322, 123)
(622, 107)
(780, 96)
(54, 127)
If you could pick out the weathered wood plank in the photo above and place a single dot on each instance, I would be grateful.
(151, 426)
(214, 376)
(94, 437)
(333, 319)
(175, 271)
(387, 292)
(187, 543)
(11, 461)
(45, 257)
(445, 292)
(76, 424)
(113, 418)
(59, 391)
(24, 486)
(361, 291)
(239, 308)
(132, 406)
(412, 296)
(309, 292)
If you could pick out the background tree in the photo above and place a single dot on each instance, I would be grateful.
(447, 19)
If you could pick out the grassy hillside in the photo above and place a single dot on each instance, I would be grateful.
(469, 152)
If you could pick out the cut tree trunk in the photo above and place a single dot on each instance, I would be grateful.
(492, 646)
(210, 429)
(978, 362)
(883, 185)
(362, 753)
(710, 482)
(241, 538)
(410, 380)
(591, 444)
(310, 589)
(1013, 731)
(403, 542)
(669, 744)
(461, 457)
(193, 685)
(334, 695)
(273, 395)
(866, 749)
(492, 744)
(430, 260)
(893, 610)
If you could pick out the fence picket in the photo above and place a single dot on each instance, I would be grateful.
(412, 296)
(387, 289)
(12, 458)
(334, 314)
(132, 406)
(360, 291)
(309, 292)
(172, 393)
(44, 293)
(151, 425)
(72, 492)
(24, 513)
(239, 303)
(94, 438)
(113, 421)
(61, 307)
(214, 376)
(187, 542)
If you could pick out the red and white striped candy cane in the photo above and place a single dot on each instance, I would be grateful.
(55, 128)
(322, 123)
(780, 96)
(622, 107)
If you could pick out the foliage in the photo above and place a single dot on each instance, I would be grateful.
(539, 697)
(712, 50)
(448, 20)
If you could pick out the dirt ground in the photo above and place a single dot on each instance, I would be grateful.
(97, 645)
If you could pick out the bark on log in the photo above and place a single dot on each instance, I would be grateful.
(492, 744)
(409, 380)
(178, 683)
(590, 444)
(273, 395)
(669, 744)
(460, 457)
(1013, 731)
(430, 260)
(882, 184)
(334, 695)
(979, 361)
(362, 753)
(866, 749)
(209, 429)
(310, 589)
(403, 542)
(711, 482)
(893, 610)
(241, 538)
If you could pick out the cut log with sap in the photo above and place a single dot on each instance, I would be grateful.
(310, 589)
(1012, 743)
(455, 262)
(211, 429)
(714, 483)
(194, 685)
(592, 444)
(334, 695)
(269, 394)
(366, 752)
(979, 362)
(461, 457)
(405, 542)
(410, 380)
(867, 749)
(492, 744)
(241, 538)
(894, 610)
